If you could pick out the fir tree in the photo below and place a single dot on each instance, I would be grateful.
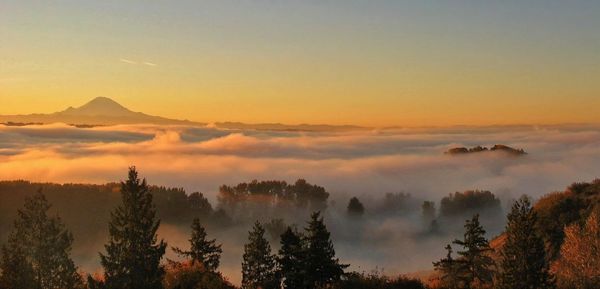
(291, 260)
(476, 266)
(448, 268)
(38, 251)
(133, 254)
(524, 264)
(258, 265)
(202, 250)
(322, 268)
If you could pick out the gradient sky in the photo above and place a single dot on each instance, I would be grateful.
(407, 63)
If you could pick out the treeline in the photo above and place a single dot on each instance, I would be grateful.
(554, 244)
(85, 208)
(37, 254)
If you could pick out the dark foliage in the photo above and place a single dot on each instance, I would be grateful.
(355, 207)
(133, 254)
(37, 255)
(523, 263)
(292, 260)
(475, 265)
(300, 194)
(258, 265)
(469, 203)
(322, 267)
(204, 251)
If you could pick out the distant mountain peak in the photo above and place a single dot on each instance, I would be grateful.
(102, 100)
(98, 111)
(99, 106)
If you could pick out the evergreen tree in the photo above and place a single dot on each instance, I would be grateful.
(291, 260)
(476, 266)
(17, 273)
(133, 254)
(258, 265)
(202, 250)
(449, 268)
(524, 264)
(322, 268)
(38, 251)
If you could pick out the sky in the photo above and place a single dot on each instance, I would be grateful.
(376, 63)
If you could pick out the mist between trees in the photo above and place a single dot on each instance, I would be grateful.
(363, 239)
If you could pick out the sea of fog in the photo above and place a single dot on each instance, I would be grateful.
(367, 164)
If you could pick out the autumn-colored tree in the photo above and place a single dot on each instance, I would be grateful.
(578, 266)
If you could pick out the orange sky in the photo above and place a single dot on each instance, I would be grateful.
(340, 62)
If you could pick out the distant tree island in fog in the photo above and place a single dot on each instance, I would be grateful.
(479, 149)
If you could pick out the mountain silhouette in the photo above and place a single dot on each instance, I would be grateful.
(98, 111)
(99, 106)
(105, 111)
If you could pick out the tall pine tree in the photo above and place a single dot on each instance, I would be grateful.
(322, 268)
(291, 260)
(448, 269)
(202, 250)
(476, 265)
(38, 251)
(133, 254)
(258, 265)
(523, 264)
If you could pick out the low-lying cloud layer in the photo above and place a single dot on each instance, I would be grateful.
(374, 162)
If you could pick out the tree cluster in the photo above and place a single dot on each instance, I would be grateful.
(304, 260)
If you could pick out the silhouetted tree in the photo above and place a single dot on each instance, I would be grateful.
(322, 267)
(202, 250)
(449, 270)
(258, 265)
(38, 251)
(133, 254)
(355, 207)
(291, 260)
(523, 264)
(476, 266)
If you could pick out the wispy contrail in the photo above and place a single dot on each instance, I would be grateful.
(127, 61)
(150, 63)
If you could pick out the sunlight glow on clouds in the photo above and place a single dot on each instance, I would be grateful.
(201, 159)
